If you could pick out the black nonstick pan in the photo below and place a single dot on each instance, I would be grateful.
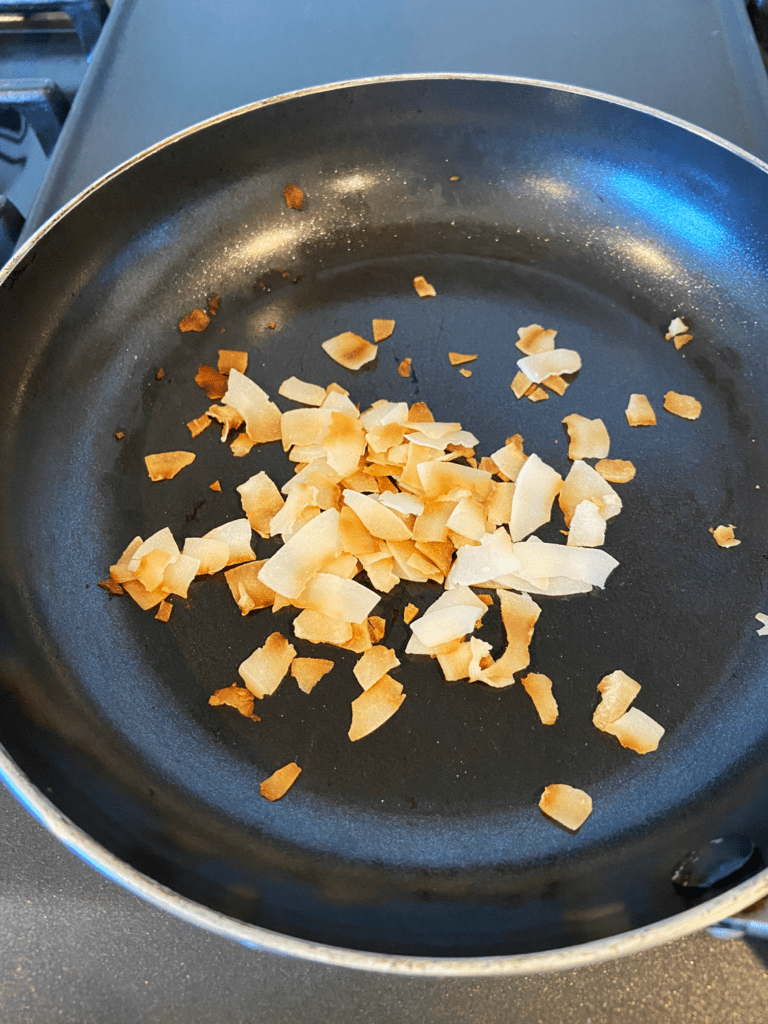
(521, 203)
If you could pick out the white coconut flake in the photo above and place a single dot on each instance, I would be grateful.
(548, 364)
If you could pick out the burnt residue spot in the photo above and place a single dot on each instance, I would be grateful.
(190, 518)
(412, 802)
(730, 357)
(706, 368)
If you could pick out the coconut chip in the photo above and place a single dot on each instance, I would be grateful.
(197, 426)
(587, 528)
(556, 383)
(375, 706)
(350, 350)
(618, 691)
(278, 784)
(724, 536)
(215, 486)
(457, 359)
(405, 367)
(588, 438)
(539, 689)
(684, 406)
(583, 483)
(409, 613)
(677, 326)
(546, 364)
(536, 487)
(616, 471)
(299, 391)
(165, 465)
(763, 619)
(521, 384)
(266, 667)
(567, 805)
(261, 415)
(247, 589)
(164, 610)
(681, 339)
(374, 664)
(197, 321)
(261, 501)
(382, 329)
(309, 671)
(637, 731)
(231, 360)
(213, 383)
(423, 288)
(235, 697)
(639, 412)
(534, 339)
(294, 197)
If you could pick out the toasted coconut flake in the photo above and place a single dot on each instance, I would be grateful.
(544, 561)
(457, 359)
(583, 483)
(179, 574)
(455, 664)
(555, 383)
(241, 445)
(278, 784)
(299, 391)
(420, 413)
(382, 329)
(536, 394)
(681, 339)
(410, 612)
(151, 568)
(724, 536)
(294, 197)
(684, 406)
(119, 435)
(215, 486)
(587, 526)
(589, 438)
(380, 570)
(229, 418)
(377, 627)
(468, 519)
(521, 384)
(546, 364)
(247, 589)
(164, 610)
(616, 471)
(498, 507)
(379, 520)
(213, 305)
(165, 465)
(355, 538)
(317, 628)
(261, 501)
(519, 613)
(338, 598)
(451, 617)
(374, 664)
(213, 383)
(539, 689)
(567, 805)
(375, 706)
(618, 691)
(236, 534)
(232, 360)
(197, 426)
(534, 339)
(510, 459)
(465, 373)
(763, 619)
(262, 416)
(235, 697)
(536, 487)
(440, 478)
(197, 321)
(144, 598)
(344, 443)
(160, 541)
(350, 350)
(431, 525)
(336, 402)
(406, 504)
(637, 731)
(111, 586)
(423, 288)
(639, 412)
(493, 557)
(309, 671)
(404, 368)
(301, 427)
(211, 554)
(265, 669)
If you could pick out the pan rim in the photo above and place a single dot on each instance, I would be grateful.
(255, 936)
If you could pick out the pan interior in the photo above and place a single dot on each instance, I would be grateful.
(425, 837)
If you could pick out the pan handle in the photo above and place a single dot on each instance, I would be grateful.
(41, 102)
(87, 16)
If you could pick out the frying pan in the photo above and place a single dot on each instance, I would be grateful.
(421, 847)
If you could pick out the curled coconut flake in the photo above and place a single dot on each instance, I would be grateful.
(567, 805)
(278, 784)
(547, 364)
(588, 438)
(724, 536)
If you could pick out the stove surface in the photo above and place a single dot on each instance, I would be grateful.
(74, 946)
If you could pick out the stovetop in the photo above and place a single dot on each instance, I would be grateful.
(74, 946)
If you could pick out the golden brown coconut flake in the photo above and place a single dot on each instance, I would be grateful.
(164, 610)
(521, 384)
(616, 471)
(309, 671)
(197, 321)
(681, 339)
(457, 359)
(423, 288)
(409, 613)
(111, 586)
(465, 373)
(534, 339)
(213, 383)
(588, 438)
(350, 350)
(382, 329)
(229, 359)
(547, 364)
(375, 706)
(246, 587)
(618, 691)
(278, 784)
(215, 486)
(539, 689)
(375, 663)
(299, 391)
(724, 536)
(236, 697)
(264, 670)
(405, 367)
(566, 804)
(555, 383)
(261, 502)
(197, 426)
(637, 731)
(294, 197)
(639, 412)
(684, 406)
(165, 465)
